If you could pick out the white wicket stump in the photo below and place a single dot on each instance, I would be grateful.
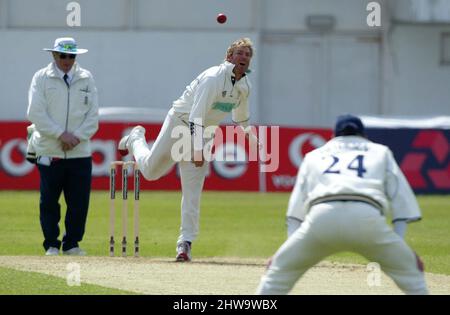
(112, 191)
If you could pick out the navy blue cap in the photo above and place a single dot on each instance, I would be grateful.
(349, 125)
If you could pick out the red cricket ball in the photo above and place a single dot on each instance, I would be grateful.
(221, 18)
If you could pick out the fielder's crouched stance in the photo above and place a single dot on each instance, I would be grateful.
(342, 192)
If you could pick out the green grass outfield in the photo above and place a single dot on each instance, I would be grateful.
(26, 283)
(238, 224)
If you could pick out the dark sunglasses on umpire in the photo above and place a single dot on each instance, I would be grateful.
(64, 56)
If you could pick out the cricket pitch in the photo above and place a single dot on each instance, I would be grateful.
(205, 276)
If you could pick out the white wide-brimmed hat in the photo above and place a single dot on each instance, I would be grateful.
(66, 45)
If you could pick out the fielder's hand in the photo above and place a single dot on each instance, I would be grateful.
(420, 264)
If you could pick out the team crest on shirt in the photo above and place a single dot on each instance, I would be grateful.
(86, 90)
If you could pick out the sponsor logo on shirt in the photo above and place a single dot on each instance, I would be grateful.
(224, 107)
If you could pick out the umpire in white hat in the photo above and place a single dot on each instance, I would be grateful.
(63, 107)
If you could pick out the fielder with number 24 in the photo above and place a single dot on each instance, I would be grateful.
(342, 193)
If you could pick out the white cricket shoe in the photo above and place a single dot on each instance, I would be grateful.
(52, 251)
(183, 252)
(76, 251)
(125, 142)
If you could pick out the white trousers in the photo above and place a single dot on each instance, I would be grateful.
(343, 226)
(157, 161)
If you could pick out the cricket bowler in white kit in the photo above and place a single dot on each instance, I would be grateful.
(207, 100)
(342, 192)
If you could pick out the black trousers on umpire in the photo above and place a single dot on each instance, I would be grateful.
(73, 177)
